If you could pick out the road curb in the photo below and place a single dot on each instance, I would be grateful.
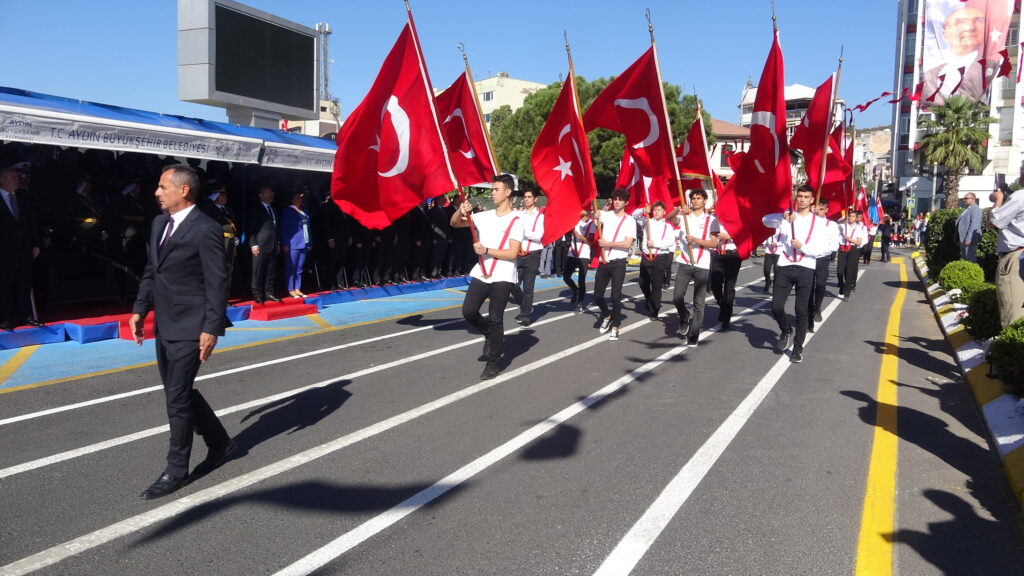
(1004, 423)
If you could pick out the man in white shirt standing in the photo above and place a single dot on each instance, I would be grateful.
(699, 243)
(821, 265)
(500, 238)
(528, 262)
(618, 230)
(804, 238)
(577, 261)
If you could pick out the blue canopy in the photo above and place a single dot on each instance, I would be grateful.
(45, 119)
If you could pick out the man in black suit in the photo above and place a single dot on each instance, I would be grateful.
(185, 284)
(265, 245)
(19, 245)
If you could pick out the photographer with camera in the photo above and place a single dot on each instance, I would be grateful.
(1008, 216)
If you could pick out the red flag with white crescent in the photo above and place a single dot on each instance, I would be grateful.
(561, 163)
(390, 156)
(464, 133)
(762, 182)
(633, 106)
(692, 156)
(643, 190)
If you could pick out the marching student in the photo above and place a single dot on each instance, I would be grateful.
(852, 236)
(804, 238)
(528, 262)
(771, 257)
(500, 233)
(657, 251)
(618, 230)
(725, 269)
(821, 266)
(701, 241)
(578, 259)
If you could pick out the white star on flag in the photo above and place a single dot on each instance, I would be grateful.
(564, 167)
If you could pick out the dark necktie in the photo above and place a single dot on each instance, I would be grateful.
(14, 205)
(167, 234)
(270, 211)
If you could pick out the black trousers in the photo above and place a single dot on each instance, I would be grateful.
(178, 362)
(725, 268)
(866, 250)
(652, 278)
(263, 271)
(786, 279)
(770, 260)
(614, 272)
(492, 327)
(15, 285)
(522, 292)
(579, 266)
(846, 270)
(885, 250)
(700, 276)
(820, 281)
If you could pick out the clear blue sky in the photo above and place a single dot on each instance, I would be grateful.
(124, 52)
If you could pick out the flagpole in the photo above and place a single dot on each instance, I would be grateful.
(851, 136)
(479, 112)
(707, 155)
(671, 140)
(828, 125)
(579, 113)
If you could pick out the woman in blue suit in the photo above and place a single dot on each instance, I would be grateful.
(295, 242)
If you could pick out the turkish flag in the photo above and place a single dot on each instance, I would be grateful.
(762, 182)
(692, 156)
(464, 132)
(643, 190)
(561, 164)
(1006, 66)
(390, 156)
(839, 192)
(814, 132)
(633, 106)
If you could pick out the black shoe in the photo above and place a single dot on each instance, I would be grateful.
(684, 328)
(725, 326)
(810, 327)
(785, 340)
(579, 309)
(259, 300)
(273, 298)
(7, 326)
(490, 371)
(797, 357)
(34, 322)
(768, 287)
(163, 486)
(525, 322)
(691, 342)
(214, 458)
(485, 356)
(817, 316)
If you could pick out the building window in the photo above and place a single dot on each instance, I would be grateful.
(488, 96)
(1005, 125)
(727, 150)
(487, 118)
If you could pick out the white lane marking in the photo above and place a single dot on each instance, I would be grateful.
(62, 551)
(247, 367)
(634, 545)
(349, 540)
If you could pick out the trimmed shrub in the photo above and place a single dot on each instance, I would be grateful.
(959, 274)
(982, 319)
(1007, 356)
(988, 256)
(965, 291)
(940, 244)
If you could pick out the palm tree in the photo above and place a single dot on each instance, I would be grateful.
(957, 138)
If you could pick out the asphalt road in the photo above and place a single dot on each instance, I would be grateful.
(389, 456)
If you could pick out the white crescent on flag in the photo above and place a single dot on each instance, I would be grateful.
(400, 121)
(457, 113)
(565, 167)
(642, 104)
(766, 119)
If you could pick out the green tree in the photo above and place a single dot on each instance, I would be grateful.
(514, 133)
(957, 137)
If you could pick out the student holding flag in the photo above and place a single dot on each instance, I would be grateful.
(657, 251)
(500, 233)
(617, 233)
(700, 242)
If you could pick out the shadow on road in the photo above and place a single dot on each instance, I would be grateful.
(561, 442)
(291, 414)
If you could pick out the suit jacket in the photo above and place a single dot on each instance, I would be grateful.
(22, 234)
(186, 285)
(968, 224)
(261, 230)
(292, 223)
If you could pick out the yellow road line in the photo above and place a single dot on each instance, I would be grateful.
(11, 366)
(316, 319)
(874, 545)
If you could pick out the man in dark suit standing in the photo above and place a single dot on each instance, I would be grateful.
(20, 245)
(265, 245)
(185, 284)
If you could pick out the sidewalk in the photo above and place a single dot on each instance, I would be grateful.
(1005, 423)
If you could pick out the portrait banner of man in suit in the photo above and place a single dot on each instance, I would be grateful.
(961, 48)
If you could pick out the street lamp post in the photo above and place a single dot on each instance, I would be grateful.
(935, 182)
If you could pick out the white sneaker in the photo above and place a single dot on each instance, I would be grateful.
(606, 324)
(614, 335)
